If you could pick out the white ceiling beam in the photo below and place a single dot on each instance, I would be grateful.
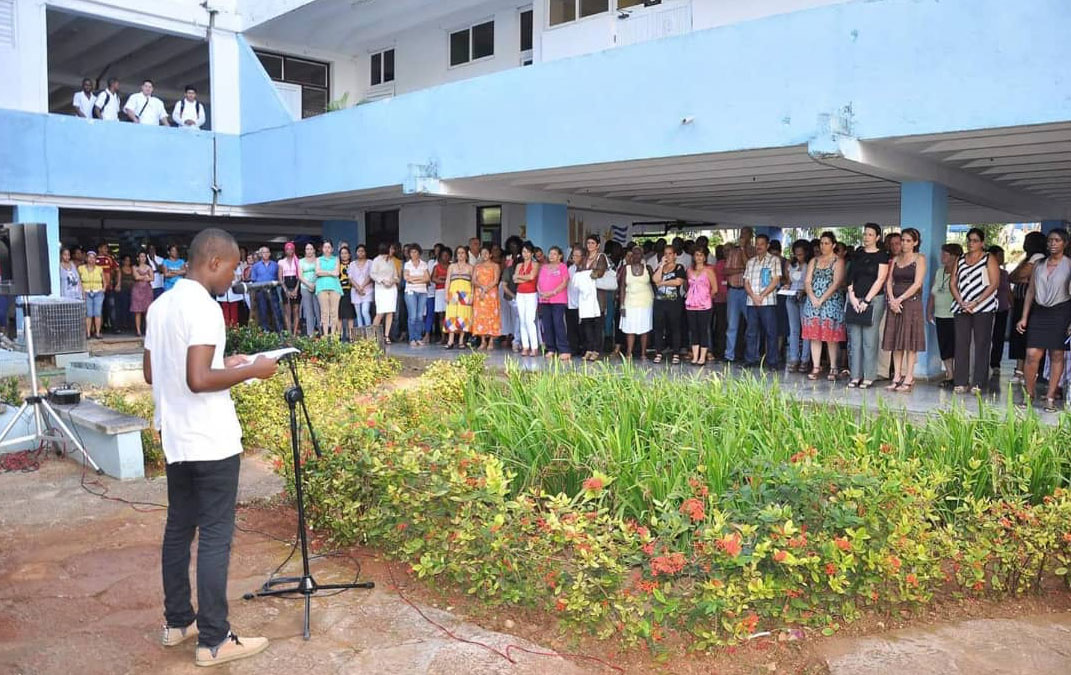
(1026, 168)
(1026, 160)
(481, 191)
(1013, 151)
(889, 163)
(672, 177)
(1037, 137)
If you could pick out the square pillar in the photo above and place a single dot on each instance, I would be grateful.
(547, 225)
(924, 206)
(348, 231)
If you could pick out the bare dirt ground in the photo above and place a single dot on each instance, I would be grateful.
(80, 592)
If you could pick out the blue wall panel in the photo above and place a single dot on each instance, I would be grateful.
(261, 107)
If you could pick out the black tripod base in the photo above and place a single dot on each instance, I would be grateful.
(306, 586)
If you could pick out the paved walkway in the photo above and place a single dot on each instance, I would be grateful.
(80, 593)
(925, 399)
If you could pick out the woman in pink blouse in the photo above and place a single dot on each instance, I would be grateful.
(551, 286)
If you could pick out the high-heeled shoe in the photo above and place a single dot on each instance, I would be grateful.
(905, 387)
(895, 384)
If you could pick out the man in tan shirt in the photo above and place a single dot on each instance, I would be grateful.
(735, 264)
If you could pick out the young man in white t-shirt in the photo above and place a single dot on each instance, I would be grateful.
(189, 113)
(202, 439)
(106, 105)
(83, 100)
(145, 108)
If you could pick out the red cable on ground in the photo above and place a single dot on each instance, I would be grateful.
(23, 461)
(510, 647)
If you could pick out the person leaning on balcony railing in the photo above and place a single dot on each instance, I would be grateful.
(83, 99)
(106, 105)
(144, 108)
(189, 113)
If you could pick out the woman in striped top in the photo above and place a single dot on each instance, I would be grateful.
(974, 305)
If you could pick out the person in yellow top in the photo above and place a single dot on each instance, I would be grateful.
(92, 277)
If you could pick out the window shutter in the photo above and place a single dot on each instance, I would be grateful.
(7, 23)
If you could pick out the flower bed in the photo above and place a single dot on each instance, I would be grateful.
(714, 532)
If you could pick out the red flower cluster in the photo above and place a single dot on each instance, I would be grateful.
(698, 488)
(912, 580)
(647, 586)
(693, 508)
(593, 484)
(802, 455)
(779, 556)
(895, 563)
(798, 542)
(842, 543)
(831, 569)
(667, 564)
(731, 544)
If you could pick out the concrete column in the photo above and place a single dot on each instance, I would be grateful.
(1050, 225)
(547, 225)
(223, 61)
(349, 231)
(49, 215)
(924, 206)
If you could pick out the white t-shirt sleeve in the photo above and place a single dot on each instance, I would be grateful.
(132, 101)
(175, 117)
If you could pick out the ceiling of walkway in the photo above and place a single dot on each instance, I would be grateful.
(345, 25)
(81, 46)
(781, 186)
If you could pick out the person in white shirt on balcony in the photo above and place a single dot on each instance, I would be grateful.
(83, 100)
(106, 105)
(189, 113)
(145, 108)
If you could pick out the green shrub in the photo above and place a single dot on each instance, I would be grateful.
(138, 404)
(9, 391)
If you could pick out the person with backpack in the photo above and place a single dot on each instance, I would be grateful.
(106, 104)
(144, 108)
(189, 113)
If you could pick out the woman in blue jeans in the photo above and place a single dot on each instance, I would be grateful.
(417, 276)
(799, 350)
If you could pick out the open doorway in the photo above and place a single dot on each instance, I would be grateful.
(81, 47)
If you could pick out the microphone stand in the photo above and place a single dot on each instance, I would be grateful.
(305, 585)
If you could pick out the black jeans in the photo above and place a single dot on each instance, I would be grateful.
(668, 316)
(201, 498)
(592, 329)
(721, 316)
(974, 335)
(1000, 332)
(699, 326)
(572, 328)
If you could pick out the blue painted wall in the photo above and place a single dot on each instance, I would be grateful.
(904, 67)
(261, 107)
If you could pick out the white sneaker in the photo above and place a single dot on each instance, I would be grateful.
(231, 649)
(173, 637)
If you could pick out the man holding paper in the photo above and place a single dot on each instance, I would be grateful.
(191, 380)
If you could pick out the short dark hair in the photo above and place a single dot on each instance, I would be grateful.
(190, 87)
(873, 226)
(954, 250)
(383, 248)
(210, 242)
(113, 80)
(593, 237)
(148, 81)
(417, 247)
(1034, 242)
(977, 231)
(84, 80)
(1059, 232)
(762, 236)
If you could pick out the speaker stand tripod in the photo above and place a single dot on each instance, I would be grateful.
(304, 585)
(43, 412)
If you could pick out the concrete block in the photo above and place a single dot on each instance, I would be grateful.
(23, 427)
(14, 364)
(112, 438)
(118, 371)
(64, 360)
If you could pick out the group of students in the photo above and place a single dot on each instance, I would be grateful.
(141, 107)
(117, 293)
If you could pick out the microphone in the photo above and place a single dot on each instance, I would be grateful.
(244, 287)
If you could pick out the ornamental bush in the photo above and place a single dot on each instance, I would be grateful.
(814, 539)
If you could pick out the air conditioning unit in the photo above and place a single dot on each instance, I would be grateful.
(59, 325)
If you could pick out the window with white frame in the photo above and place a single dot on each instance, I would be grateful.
(312, 76)
(564, 11)
(473, 43)
(526, 37)
(382, 66)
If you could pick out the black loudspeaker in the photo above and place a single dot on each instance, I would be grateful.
(24, 259)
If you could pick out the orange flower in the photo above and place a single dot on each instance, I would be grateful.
(1067, 537)
(730, 543)
(912, 580)
(831, 569)
(648, 548)
(593, 484)
(894, 562)
(843, 544)
(560, 605)
(693, 508)
(667, 564)
(779, 556)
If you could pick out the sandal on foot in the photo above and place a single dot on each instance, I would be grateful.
(866, 384)
(676, 359)
(1050, 405)
(813, 375)
(658, 358)
(854, 384)
(905, 387)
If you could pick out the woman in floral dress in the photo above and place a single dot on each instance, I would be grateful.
(486, 316)
(823, 310)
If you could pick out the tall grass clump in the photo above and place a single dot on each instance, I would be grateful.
(655, 434)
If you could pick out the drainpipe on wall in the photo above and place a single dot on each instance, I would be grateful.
(215, 156)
